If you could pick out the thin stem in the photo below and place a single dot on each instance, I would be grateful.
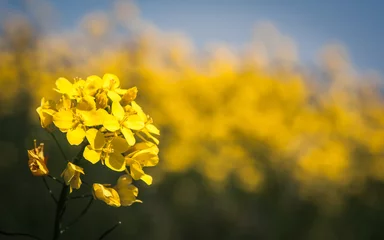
(110, 230)
(61, 205)
(82, 196)
(85, 210)
(59, 146)
(19, 234)
(54, 178)
(49, 190)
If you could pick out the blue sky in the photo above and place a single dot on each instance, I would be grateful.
(356, 24)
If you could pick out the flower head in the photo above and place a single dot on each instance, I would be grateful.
(106, 194)
(37, 161)
(46, 110)
(123, 194)
(71, 175)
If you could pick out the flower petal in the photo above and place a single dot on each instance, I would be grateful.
(106, 194)
(147, 179)
(134, 122)
(63, 120)
(118, 110)
(119, 145)
(152, 129)
(110, 81)
(63, 86)
(111, 123)
(93, 118)
(136, 170)
(95, 138)
(91, 155)
(115, 161)
(76, 136)
(128, 135)
(114, 96)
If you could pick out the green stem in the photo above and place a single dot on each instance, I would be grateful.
(110, 230)
(19, 234)
(62, 203)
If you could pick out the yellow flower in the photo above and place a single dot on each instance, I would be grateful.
(109, 150)
(127, 192)
(74, 122)
(111, 84)
(143, 154)
(123, 194)
(123, 121)
(148, 128)
(106, 194)
(46, 111)
(37, 161)
(71, 176)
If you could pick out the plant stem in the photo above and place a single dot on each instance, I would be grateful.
(109, 230)
(49, 190)
(61, 205)
(19, 234)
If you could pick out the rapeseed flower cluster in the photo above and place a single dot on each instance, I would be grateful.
(113, 129)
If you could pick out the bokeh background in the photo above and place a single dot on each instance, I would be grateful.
(271, 114)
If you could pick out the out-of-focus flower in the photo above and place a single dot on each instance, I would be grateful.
(46, 110)
(71, 176)
(37, 161)
(106, 194)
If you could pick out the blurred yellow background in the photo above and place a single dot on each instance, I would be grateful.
(240, 119)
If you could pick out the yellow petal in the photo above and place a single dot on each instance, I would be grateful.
(152, 129)
(106, 194)
(114, 96)
(45, 118)
(110, 81)
(147, 179)
(139, 111)
(111, 123)
(115, 161)
(119, 145)
(86, 103)
(128, 195)
(63, 86)
(92, 84)
(134, 122)
(95, 138)
(128, 135)
(93, 118)
(136, 170)
(151, 137)
(76, 136)
(118, 110)
(63, 120)
(91, 155)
